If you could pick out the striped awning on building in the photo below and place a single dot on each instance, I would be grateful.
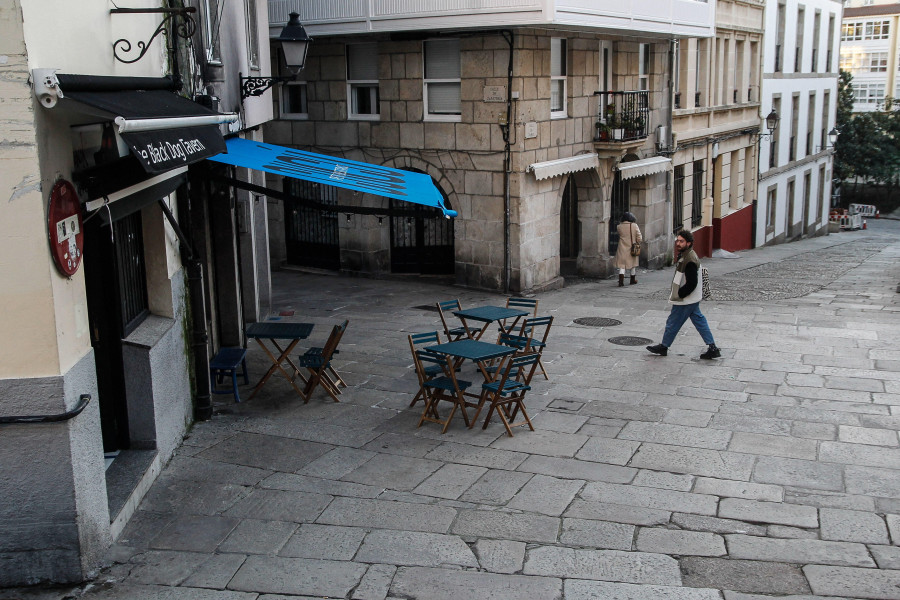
(644, 166)
(561, 166)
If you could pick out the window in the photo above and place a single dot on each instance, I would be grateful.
(697, 194)
(868, 93)
(795, 117)
(362, 81)
(442, 80)
(875, 62)
(252, 34)
(820, 197)
(877, 30)
(558, 78)
(817, 27)
(828, 65)
(678, 200)
(293, 100)
(779, 40)
(644, 68)
(701, 45)
(798, 52)
(851, 32)
(132, 271)
(771, 204)
(211, 18)
(676, 74)
(605, 76)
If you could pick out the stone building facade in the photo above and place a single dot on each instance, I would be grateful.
(535, 198)
(716, 119)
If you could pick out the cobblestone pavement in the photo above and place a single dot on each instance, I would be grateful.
(770, 472)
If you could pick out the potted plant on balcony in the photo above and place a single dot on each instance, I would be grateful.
(634, 127)
(602, 131)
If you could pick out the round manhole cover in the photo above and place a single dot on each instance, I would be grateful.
(627, 340)
(597, 321)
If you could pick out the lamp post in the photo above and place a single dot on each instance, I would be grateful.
(831, 139)
(294, 46)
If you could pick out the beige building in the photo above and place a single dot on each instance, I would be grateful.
(869, 46)
(541, 123)
(716, 117)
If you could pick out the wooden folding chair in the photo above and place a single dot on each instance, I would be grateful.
(454, 333)
(506, 393)
(419, 339)
(318, 365)
(442, 387)
(536, 330)
(519, 342)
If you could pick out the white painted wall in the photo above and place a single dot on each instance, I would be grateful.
(785, 84)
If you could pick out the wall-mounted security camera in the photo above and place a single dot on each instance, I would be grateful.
(46, 86)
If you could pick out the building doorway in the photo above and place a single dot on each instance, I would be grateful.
(619, 205)
(311, 233)
(569, 229)
(421, 240)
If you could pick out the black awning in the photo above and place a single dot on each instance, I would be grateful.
(173, 131)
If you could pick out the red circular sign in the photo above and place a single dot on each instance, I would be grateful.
(64, 226)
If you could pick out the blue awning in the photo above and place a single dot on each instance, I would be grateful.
(330, 170)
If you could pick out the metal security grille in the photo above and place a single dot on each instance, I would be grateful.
(678, 200)
(619, 206)
(311, 234)
(569, 232)
(129, 241)
(421, 240)
(697, 194)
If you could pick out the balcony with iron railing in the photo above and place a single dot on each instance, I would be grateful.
(622, 116)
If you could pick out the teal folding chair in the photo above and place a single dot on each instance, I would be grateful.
(443, 387)
(506, 394)
(454, 333)
(420, 339)
(536, 330)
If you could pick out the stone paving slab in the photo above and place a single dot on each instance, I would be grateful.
(617, 513)
(327, 542)
(525, 527)
(696, 461)
(807, 474)
(216, 572)
(681, 543)
(359, 512)
(743, 575)
(768, 512)
(278, 505)
(590, 533)
(603, 565)
(164, 567)
(445, 584)
(500, 556)
(413, 548)
(857, 583)
(852, 526)
(632, 495)
(154, 592)
(579, 589)
(295, 576)
(375, 584)
(546, 495)
(394, 472)
(496, 487)
(802, 551)
(571, 468)
(192, 533)
(738, 489)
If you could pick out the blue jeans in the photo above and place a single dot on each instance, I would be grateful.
(681, 313)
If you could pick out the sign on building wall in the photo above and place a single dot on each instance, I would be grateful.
(495, 93)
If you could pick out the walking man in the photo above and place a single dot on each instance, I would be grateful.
(685, 299)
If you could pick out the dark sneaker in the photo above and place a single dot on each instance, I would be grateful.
(658, 349)
(711, 352)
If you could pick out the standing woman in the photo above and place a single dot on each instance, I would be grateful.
(629, 234)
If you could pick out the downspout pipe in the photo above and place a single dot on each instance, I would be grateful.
(507, 161)
(199, 336)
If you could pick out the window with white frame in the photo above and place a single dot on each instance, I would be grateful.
(210, 18)
(875, 62)
(851, 31)
(293, 100)
(877, 30)
(252, 34)
(442, 80)
(362, 81)
(558, 78)
(606, 71)
(868, 93)
(644, 68)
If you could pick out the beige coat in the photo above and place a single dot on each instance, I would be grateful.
(624, 259)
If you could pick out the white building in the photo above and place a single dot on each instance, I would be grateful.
(800, 85)
(869, 51)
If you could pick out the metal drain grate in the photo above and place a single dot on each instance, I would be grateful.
(597, 321)
(628, 340)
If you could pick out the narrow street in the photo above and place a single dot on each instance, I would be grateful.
(773, 471)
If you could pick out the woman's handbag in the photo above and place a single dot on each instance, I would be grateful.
(635, 246)
(707, 291)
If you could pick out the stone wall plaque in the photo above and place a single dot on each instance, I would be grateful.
(495, 93)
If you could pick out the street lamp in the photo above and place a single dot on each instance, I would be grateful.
(294, 46)
(832, 139)
(771, 124)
